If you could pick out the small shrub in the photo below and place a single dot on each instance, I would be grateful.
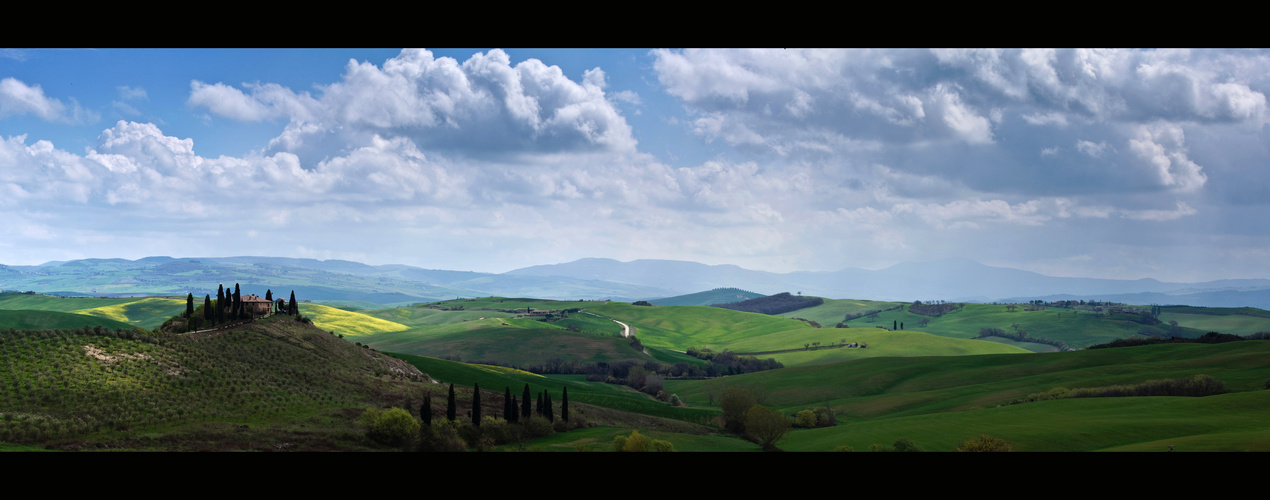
(441, 436)
(663, 446)
(906, 445)
(985, 443)
(805, 419)
(844, 447)
(878, 447)
(637, 442)
(536, 426)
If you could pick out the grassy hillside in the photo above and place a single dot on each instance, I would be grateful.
(490, 342)
(1238, 324)
(940, 401)
(881, 344)
(1229, 422)
(347, 322)
(147, 313)
(40, 320)
(1076, 328)
(834, 310)
(709, 297)
(246, 388)
(144, 312)
(969, 382)
(35, 302)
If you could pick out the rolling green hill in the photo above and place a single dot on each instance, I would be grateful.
(708, 298)
(1075, 328)
(940, 401)
(41, 320)
(347, 322)
(144, 312)
(510, 345)
(270, 382)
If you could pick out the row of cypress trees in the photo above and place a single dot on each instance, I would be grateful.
(513, 411)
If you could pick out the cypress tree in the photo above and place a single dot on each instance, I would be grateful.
(189, 305)
(894, 325)
(507, 404)
(538, 409)
(524, 400)
(449, 404)
(425, 411)
(292, 309)
(551, 415)
(515, 411)
(220, 304)
(208, 314)
(238, 303)
(476, 404)
(564, 405)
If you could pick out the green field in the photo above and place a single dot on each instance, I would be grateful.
(509, 344)
(1228, 422)
(144, 312)
(349, 323)
(44, 320)
(834, 310)
(1237, 324)
(709, 297)
(1075, 328)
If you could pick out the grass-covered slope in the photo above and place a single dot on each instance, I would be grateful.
(144, 312)
(229, 391)
(832, 311)
(971, 382)
(1237, 321)
(941, 401)
(147, 313)
(51, 320)
(1075, 328)
(488, 341)
(708, 298)
(1228, 422)
(881, 344)
(347, 322)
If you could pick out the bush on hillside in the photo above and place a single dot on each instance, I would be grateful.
(814, 417)
(637, 442)
(394, 426)
(985, 443)
(906, 445)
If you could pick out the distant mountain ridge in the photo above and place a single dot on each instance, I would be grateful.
(959, 280)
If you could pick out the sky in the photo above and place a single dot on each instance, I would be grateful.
(1092, 163)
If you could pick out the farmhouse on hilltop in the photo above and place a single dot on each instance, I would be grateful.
(257, 305)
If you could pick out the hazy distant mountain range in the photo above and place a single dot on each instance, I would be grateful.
(960, 280)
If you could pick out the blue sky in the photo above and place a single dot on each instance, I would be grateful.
(1100, 163)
